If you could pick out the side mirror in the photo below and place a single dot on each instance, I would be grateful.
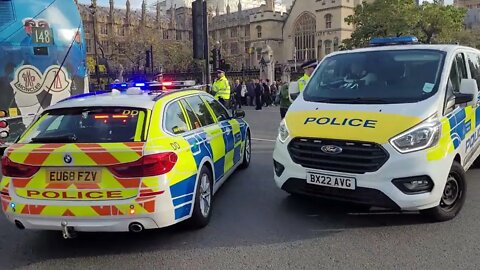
(468, 93)
(293, 91)
(239, 114)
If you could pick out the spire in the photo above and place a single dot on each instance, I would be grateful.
(270, 5)
(112, 8)
(94, 3)
(158, 11)
(228, 7)
(217, 10)
(144, 12)
(128, 11)
(239, 5)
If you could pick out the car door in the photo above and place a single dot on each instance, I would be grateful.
(460, 116)
(473, 141)
(231, 130)
(208, 132)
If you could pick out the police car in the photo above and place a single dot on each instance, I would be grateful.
(123, 161)
(394, 125)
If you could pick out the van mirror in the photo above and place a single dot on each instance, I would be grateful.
(293, 91)
(468, 93)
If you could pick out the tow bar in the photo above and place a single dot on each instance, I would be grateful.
(68, 232)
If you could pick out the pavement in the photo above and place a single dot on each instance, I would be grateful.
(257, 226)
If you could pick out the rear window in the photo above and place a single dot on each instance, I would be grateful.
(88, 125)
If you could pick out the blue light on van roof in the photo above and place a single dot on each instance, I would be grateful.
(393, 41)
(123, 85)
(139, 84)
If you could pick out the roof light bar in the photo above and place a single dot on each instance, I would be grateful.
(393, 41)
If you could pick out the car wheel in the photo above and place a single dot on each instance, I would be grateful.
(202, 210)
(453, 196)
(247, 153)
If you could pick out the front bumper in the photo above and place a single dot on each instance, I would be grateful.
(374, 188)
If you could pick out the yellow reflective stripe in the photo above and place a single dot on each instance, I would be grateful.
(209, 109)
(445, 145)
(228, 161)
(121, 152)
(185, 115)
(140, 126)
(147, 124)
(217, 143)
(20, 154)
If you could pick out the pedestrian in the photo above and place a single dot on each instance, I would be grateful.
(266, 93)
(258, 94)
(284, 100)
(238, 93)
(251, 92)
(243, 94)
(221, 88)
(273, 91)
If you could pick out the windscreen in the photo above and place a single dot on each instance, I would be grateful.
(393, 76)
(88, 125)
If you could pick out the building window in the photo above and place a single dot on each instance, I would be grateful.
(328, 21)
(178, 35)
(165, 34)
(233, 32)
(121, 31)
(304, 36)
(319, 49)
(259, 31)
(247, 31)
(234, 48)
(104, 29)
(328, 47)
(335, 44)
(89, 45)
(223, 34)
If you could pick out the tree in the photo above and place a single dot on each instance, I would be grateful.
(430, 22)
(469, 37)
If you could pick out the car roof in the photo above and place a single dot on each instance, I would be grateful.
(112, 99)
(439, 47)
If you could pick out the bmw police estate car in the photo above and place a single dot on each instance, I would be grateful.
(123, 162)
(392, 126)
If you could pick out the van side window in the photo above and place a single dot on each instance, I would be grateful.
(457, 73)
(474, 64)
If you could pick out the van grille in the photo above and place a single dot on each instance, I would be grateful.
(355, 157)
(6, 13)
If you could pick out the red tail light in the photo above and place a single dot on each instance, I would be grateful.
(3, 124)
(151, 165)
(12, 169)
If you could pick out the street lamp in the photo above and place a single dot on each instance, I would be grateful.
(93, 11)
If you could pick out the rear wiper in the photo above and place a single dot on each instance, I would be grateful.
(65, 138)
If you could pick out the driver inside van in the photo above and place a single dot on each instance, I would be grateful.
(358, 73)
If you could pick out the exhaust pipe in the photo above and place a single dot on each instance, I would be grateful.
(135, 227)
(19, 225)
(68, 232)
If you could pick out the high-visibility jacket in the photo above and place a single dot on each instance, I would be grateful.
(221, 88)
(302, 82)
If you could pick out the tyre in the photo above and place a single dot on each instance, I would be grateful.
(453, 196)
(202, 209)
(247, 153)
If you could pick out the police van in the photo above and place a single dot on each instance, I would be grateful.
(393, 125)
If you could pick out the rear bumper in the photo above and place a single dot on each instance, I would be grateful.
(82, 224)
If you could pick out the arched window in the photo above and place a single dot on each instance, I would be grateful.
(328, 21)
(328, 47)
(304, 35)
(259, 31)
(319, 49)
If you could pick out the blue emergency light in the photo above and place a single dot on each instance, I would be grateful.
(393, 41)
(140, 85)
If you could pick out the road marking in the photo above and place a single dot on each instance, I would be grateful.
(263, 140)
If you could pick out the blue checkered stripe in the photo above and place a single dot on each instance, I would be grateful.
(183, 192)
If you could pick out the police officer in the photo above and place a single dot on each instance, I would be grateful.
(308, 68)
(221, 88)
(159, 79)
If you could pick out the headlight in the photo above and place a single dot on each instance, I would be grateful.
(283, 132)
(423, 136)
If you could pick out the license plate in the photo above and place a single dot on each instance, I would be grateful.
(328, 180)
(81, 176)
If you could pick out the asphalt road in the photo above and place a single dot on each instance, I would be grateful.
(257, 226)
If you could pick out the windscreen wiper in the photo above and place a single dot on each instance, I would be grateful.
(64, 138)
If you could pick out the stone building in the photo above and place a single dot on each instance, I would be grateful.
(467, 3)
(115, 26)
(309, 29)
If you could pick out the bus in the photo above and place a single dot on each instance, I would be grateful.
(42, 60)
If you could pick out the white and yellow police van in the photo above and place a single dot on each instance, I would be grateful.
(394, 125)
